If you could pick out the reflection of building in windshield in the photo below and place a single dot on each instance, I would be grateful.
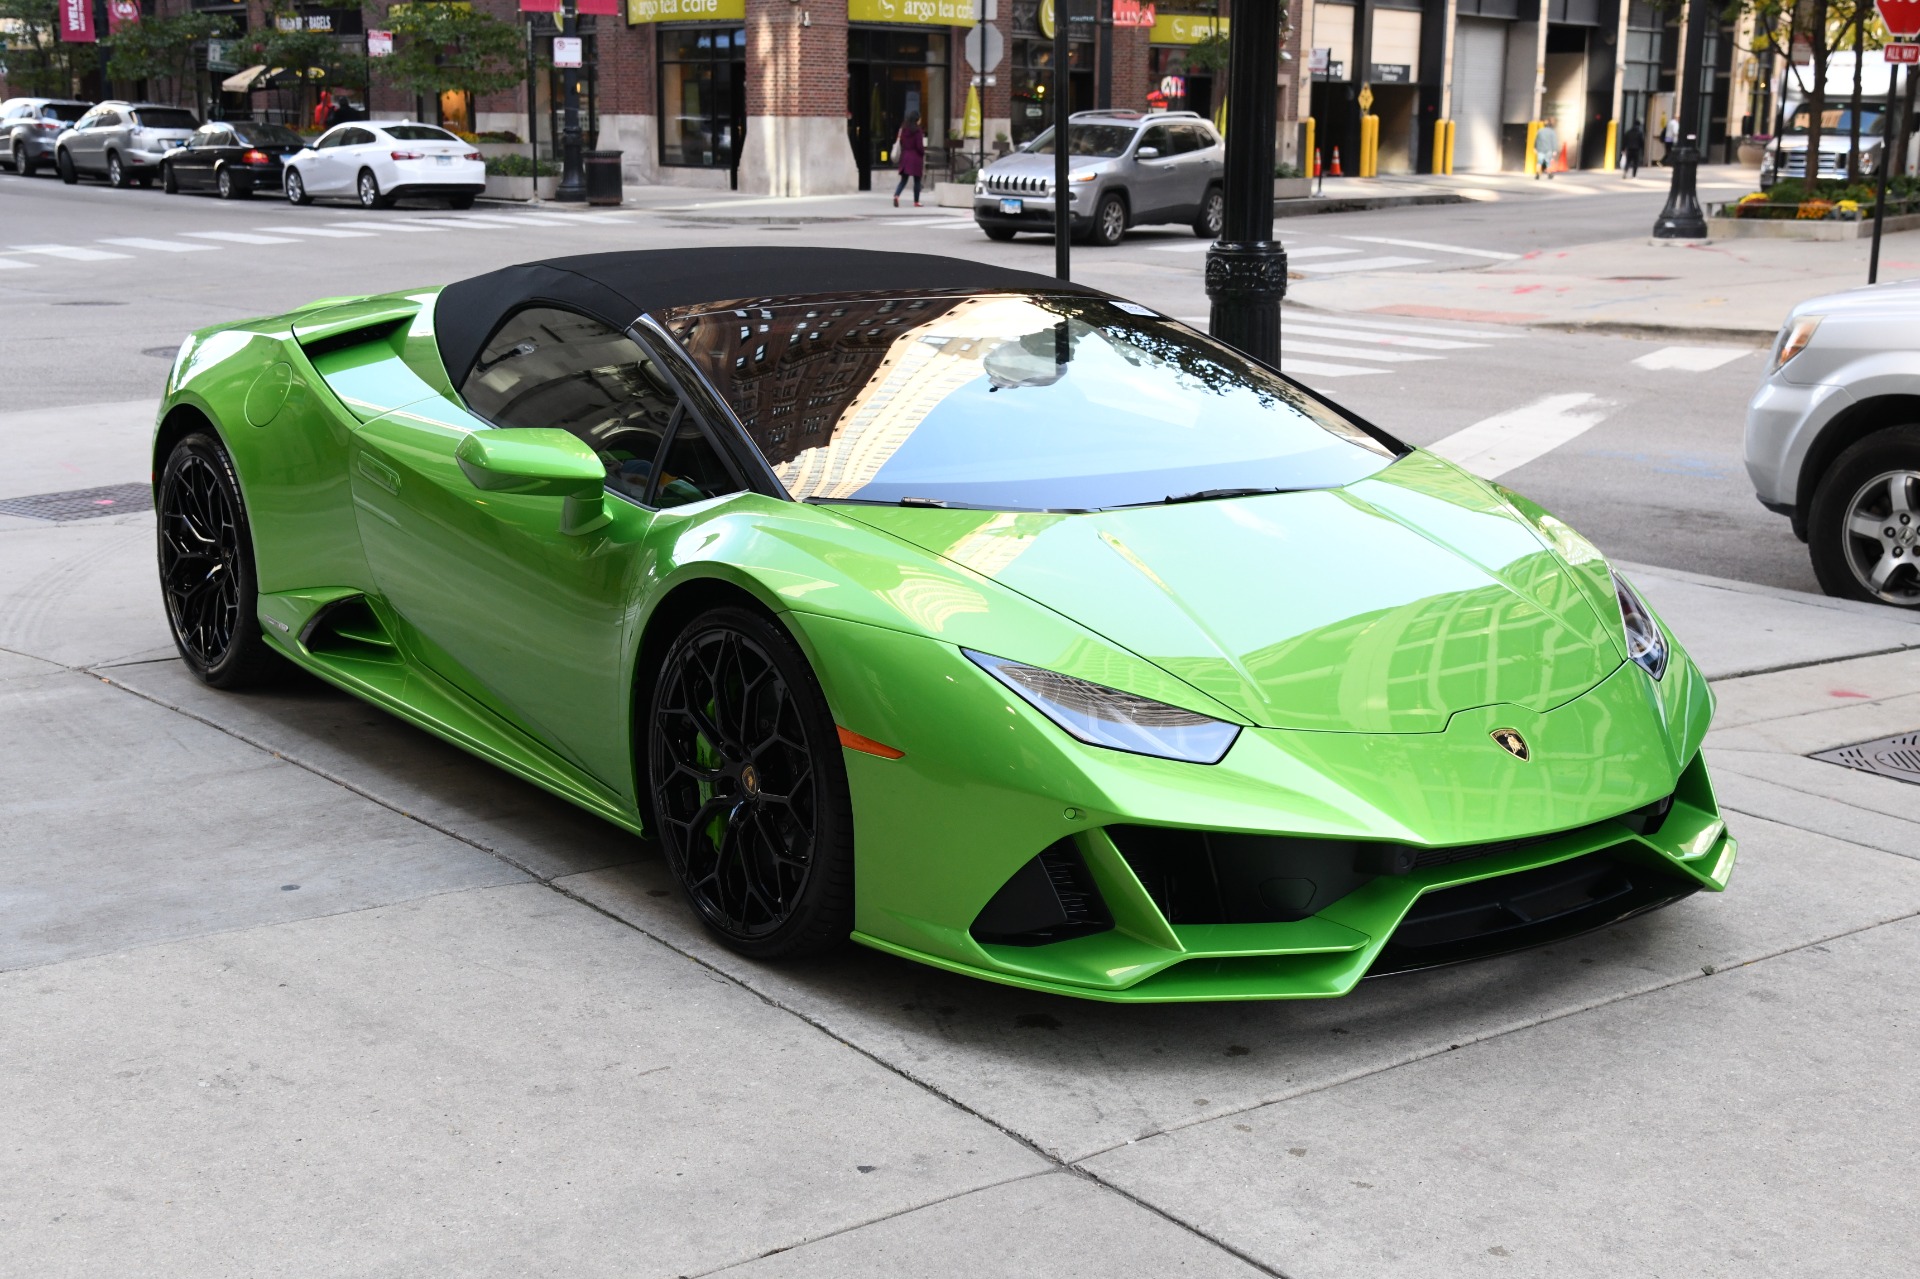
(923, 366)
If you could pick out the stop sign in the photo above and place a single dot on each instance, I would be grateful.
(1901, 16)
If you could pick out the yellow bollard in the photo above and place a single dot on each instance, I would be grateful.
(1613, 141)
(1310, 159)
(1533, 129)
(1440, 146)
(1369, 146)
(1450, 128)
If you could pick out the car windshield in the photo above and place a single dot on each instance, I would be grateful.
(165, 118)
(1087, 139)
(1835, 120)
(419, 133)
(68, 111)
(268, 135)
(1014, 402)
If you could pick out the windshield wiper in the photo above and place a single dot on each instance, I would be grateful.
(1209, 495)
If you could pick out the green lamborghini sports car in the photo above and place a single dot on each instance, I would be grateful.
(990, 621)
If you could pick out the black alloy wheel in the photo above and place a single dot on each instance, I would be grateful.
(169, 183)
(1110, 221)
(63, 162)
(1863, 531)
(116, 172)
(206, 567)
(749, 788)
(297, 189)
(1213, 214)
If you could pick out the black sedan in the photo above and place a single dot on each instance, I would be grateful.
(233, 158)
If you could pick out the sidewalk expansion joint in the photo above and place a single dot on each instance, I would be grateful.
(1810, 662)
(549, 882)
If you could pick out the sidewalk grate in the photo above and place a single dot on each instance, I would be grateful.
(1895, 757)
(80, 504)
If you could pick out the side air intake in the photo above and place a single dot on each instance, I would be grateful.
(1049, 899)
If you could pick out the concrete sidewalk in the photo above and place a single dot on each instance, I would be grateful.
(289, 987)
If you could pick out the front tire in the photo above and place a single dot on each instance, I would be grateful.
(1109, 221)
(1863, 532)
(749, 787)
(168, 183)
(63, 162)
(297, 189)
(1000, 233)
(1212, 216)
(206, 567)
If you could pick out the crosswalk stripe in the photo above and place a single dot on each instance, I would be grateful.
(471, 224)
(1347, 352)
(1366, 264)
(1313, 368)
(395, 225)
(1399, 326)
(542, 219)
(1506, 441)
(1384, 339)
(1437, 248)
(14, 264)
(1183, 246)
(158, 246)
(327, 232)
(1317, 251)
(68, 252)
(480, 219)
(240, 237)
(1691, 359)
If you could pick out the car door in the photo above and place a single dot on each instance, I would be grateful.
(193, 167)
(1156, 180)
(85, 145)
(533, 622)
(1193, 166)
(321, 170)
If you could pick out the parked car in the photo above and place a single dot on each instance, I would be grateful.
(29, 126)
(1833, 439)
(380, 161)
(982, 617)
(233, 158)
(122, 142)
(1125, 169)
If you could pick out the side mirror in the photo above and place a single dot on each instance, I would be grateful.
(540, 461)
(1147, 153)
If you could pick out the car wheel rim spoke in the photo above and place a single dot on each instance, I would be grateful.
(199, 555)
(1881, 536)
(733, 782)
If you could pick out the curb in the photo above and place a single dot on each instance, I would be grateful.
(1307, 205)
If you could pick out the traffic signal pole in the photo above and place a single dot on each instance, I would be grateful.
(1246, 267)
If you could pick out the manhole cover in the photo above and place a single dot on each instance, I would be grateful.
(1895, 757)
(80, 504)
(160, 352)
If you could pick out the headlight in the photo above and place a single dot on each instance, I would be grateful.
(1794, 339)
(1085, 175)
(1101, 716)
(1646, 646)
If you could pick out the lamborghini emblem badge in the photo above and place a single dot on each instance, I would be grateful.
(750, 780)
(1512, 743)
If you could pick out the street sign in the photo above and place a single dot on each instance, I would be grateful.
(566, 51)
(1318, 60)
(984, 47)
(1903, 54)
(1901, 16)
(379, 44)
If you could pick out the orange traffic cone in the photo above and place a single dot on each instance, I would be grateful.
(1336, 164)
(1316, 162)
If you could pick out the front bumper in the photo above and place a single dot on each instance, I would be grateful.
(1783, 420)
(1036, 214)
(986, 787)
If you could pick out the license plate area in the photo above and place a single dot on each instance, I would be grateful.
(1012, 207)
(443, 160)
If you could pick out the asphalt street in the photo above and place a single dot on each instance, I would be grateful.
(97, 287)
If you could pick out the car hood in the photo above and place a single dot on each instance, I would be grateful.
(1026, 165)
(1383, 607)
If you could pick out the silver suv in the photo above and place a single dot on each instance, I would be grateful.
(122, 142)
(1125, 169)
(1833, 439)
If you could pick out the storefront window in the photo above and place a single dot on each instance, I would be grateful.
(702, 96)
(1033, 84)
(893, 72)
(1172, 86)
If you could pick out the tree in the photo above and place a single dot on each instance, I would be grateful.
(163, 48)
(440, 47)
(37, 61)
(288, 44)
(1822, 27)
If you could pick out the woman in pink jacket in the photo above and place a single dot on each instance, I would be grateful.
(911, 151)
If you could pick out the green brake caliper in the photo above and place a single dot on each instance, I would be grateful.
(707, 755)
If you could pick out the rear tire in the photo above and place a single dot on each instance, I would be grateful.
(207, 579)
(23, 164)
(460, 202)
(116, 172)
(297, 188)
(367, 187)
(64, 164)
(223, 184)
(1864, 521)
(749, 787)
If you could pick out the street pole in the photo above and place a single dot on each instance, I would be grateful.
(1887, 138)
(573, 182)
(533, 112)
(1682, 219)
(1246, 267)
(1062, 219)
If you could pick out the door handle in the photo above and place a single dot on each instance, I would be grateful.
(379, 472)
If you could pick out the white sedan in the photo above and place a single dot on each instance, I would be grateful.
(379, 161)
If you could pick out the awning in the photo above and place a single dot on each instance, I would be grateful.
(241, 81)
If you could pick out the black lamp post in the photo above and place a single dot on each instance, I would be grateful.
(1682, 218)
(1062, 91)
(573, 181)
(1246, 267)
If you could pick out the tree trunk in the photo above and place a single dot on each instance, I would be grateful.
(1817, 101)
(1860, 12)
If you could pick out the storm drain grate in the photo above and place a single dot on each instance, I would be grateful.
(80, 504)
(1895, 757)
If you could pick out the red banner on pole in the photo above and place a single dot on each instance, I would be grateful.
(122, 13)
(539, 6)
(76, 22)
(598, 8)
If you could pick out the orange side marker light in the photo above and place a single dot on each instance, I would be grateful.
(866, 745)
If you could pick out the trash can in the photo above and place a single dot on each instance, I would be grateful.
(603, 176)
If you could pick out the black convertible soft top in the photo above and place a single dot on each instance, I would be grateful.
(619, 288)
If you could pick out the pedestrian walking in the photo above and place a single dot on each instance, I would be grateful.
(1669, 139)
(1633, 148)
(1546, 149)
(911, 150)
